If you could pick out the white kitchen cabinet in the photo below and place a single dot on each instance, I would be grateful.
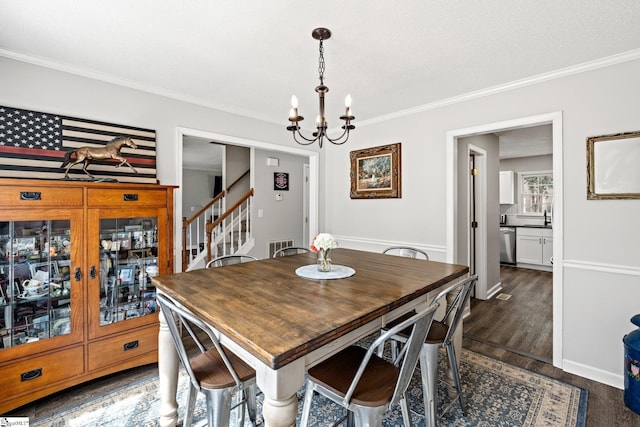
(534, 246)
(507, 187)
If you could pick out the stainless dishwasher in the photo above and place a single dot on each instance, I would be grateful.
(507, 245)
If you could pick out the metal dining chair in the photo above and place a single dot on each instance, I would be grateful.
(440, 336)
(406, 251)
(290, 250)
(364, 383)
(223, 260)
(212, 371)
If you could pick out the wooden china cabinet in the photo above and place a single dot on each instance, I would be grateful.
(76, 299)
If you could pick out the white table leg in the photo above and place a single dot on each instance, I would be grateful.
(280, 404)
(168, 375)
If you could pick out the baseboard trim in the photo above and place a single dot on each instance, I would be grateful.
(494, 290)
(589, 372)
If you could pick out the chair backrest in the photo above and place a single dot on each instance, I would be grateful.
(406, 251)
(221, 261)
(177, 316)
(408, 357)
(291, 250)
(455, 308)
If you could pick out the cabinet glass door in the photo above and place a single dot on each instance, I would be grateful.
(36, 283)
(128, 260)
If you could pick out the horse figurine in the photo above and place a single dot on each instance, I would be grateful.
(110, 151)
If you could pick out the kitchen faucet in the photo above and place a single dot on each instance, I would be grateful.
(546, 219)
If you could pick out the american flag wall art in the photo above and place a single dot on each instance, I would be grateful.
(33, 145)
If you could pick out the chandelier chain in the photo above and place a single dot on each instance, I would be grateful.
(321, 63)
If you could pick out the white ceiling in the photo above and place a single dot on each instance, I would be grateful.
(250, 56)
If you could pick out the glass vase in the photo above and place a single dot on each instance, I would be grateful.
(324, 260)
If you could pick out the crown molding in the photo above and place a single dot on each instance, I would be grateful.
(628, 56)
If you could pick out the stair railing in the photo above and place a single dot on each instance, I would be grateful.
(194, 229)
(232, 229)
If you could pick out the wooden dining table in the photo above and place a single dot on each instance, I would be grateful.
(282, 324)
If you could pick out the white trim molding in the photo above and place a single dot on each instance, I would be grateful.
(435, 252)
(314, 174)
(631, 55)
(602, 267)
(555, 119)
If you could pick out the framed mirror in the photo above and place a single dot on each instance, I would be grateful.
(613, 166)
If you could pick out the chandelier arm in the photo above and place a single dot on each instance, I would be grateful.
(309, 141)
(336, 141)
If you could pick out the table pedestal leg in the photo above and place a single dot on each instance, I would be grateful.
(280, 412)
(168, 375)
(279, 387)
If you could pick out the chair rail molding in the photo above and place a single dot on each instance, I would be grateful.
(436, 252)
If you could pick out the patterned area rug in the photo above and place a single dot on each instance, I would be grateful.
(496, 394)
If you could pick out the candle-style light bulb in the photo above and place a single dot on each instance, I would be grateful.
(347, 103)
(293, 113)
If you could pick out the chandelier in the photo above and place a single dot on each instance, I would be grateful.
(320, 134)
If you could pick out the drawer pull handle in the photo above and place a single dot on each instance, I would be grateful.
(30, 195)
(127, 197)
(92, 272)
(26, 376)
(78, 274)
(131, 345)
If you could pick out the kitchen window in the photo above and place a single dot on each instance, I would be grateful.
(536, 192)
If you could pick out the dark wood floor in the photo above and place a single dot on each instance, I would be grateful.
(519, 334)
(523, 323)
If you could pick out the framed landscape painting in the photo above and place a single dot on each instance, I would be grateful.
(376, 172)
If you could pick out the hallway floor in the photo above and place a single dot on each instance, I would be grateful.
(522, 322)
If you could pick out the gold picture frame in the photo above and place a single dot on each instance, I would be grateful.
(376, 172)
(612, 166)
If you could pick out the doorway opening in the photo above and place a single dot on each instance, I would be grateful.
(456, 212)
(310, 187)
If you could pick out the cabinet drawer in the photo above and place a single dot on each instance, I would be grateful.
(39, 371)
(30, 197)
(126, 198)
(118, 348)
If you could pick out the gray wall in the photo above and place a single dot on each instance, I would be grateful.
(281, 220)
(238, 162)
(197, 190)
(530, 163)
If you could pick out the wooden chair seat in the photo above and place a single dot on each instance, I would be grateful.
(376, 386)
(211, 372)
(366, 384)
(217, 373)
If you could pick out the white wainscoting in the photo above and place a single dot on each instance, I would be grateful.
(436, 253)
(608, 296)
